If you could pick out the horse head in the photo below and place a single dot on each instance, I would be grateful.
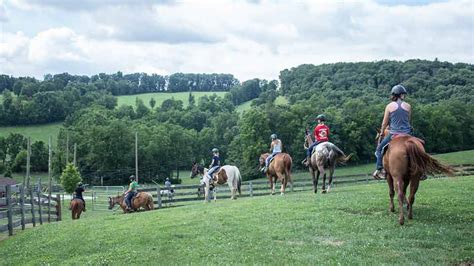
(113, 201)
(196, 169)
(263, 157)
(307, 139)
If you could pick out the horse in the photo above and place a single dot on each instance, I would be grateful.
(77, 207)
(142, 199)
(324, 157)
(405, 161)
(278, 169)
(226, 174)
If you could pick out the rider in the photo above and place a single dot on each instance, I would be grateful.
(78, 193)
(215, 164)
(132, 191)
(321, 134)
(397, 116)
(168, 185)
(275, 148)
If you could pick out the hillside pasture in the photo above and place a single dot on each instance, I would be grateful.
(350, 225)
(35, 132)
(160, 97)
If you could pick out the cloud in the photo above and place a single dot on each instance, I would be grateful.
(247, 39)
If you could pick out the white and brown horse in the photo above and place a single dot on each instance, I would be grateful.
(226, 174)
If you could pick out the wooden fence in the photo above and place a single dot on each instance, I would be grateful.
(186, 193)
(20, 206)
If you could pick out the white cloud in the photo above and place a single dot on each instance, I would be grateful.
(246, 39)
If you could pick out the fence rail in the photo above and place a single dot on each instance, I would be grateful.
(20, 206)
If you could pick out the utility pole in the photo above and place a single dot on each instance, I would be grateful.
(67, 148)
(75, 149)
(136, 156)
(28, 155)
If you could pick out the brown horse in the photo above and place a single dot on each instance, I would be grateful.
(325, 156)
(142, 199)
(405, 162)
(77, 207)
(278, 169)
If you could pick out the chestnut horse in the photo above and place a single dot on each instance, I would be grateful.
(405, 162)
(77, 207)
(142, 199)
(278, 169)
(325, 156)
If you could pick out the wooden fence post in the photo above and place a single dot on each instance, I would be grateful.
(250, 189)
(158, 196)
(32, 202)
(38, 192)
(58, 207)
(22, 205)
(9, 212)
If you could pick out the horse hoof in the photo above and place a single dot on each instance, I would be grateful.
(401, 222)
(410, 217)
(281, 194)
(315, 191)
(324, 191)
(391, 209)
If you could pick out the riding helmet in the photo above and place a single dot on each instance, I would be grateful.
(215, 150)
(132, 177)
(273, 136)
(398, 89)
(321, 117)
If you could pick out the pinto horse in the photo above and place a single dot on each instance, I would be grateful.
(325, 156)
(77, 207)
(226, 174)
(278, 169)
(142, 199)
(405, 162)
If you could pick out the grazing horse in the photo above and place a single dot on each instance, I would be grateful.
(142, 199)
(278, 169)
(324, 157)
(405, 162)
(77, 207)
(226, 174)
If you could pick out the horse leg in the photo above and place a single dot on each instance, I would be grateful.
(405, 185)
(206, 192)
(323, 173)
(73, 214)
(331, 173)
(315, 181)
(401, 199)
(272, 186)
(391, 191)
(283, 183)
(413, 188)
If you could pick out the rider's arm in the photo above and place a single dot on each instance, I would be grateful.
(385, 120)
(271, 145)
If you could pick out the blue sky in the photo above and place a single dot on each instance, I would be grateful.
(246, 38)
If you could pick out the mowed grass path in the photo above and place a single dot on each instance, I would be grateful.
(160, 97)
(350, 225)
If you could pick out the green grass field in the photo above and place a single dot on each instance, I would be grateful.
(350, 225)
(160, 97)
(36, 132)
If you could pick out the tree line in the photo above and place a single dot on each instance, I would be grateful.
(352, 95)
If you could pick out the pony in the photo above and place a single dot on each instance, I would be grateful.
(324, 158)
(77, 207)
(278, 169)
(405, 161)
(226, 174)
(142, 199)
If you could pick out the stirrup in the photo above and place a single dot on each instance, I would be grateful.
(379, 174)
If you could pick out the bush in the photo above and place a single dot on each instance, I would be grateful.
(70, 177)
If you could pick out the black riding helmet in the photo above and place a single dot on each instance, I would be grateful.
(132, 177)
(398, 90)
(321, 117)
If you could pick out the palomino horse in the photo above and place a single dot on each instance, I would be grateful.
(142, 199)
(405, 162)
(324, 157)
(226, 174)
(278, 169)
(77, 207)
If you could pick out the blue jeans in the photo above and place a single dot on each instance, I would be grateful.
(267, 161)
(378, 151)
(212, 170)
(310, 149)
(128, 199)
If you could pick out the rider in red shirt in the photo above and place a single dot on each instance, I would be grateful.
(321, 134)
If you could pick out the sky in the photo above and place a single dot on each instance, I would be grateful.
(249, 39)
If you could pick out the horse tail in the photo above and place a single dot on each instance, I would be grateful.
(422, 162)
(288, 164)
(341, 158)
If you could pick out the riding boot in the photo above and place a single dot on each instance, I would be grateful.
(306, 161)
(379, 174)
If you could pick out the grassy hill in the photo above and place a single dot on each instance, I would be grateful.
(162, 96)
(350, 225)
(36, 132)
